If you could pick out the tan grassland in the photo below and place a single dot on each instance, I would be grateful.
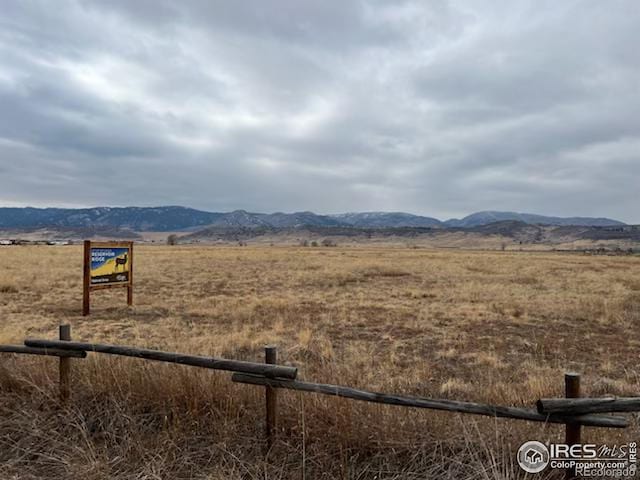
(498, 327)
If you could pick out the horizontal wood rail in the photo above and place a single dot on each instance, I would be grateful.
(182, 359)
(434, 404)
(579, 406)
(53, 352)
(573, 412)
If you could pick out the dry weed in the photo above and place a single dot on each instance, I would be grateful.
(498, 327)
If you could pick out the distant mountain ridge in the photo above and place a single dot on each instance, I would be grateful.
(176, 218)
(386, 220)
(487, 217)
(134, 218)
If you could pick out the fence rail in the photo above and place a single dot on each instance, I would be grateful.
(571, 411)
(53, 352)
(433, 404)
(579, 406)
(183, 359)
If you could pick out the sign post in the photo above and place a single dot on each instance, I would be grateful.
(106, 265)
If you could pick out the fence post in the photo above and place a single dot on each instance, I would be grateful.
(271, 397)
(130, 286)
(65, 366)
(572, 432)
(86, 279)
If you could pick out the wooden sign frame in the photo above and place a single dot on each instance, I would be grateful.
(87, 287)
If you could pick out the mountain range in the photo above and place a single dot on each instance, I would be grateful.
(176, 218)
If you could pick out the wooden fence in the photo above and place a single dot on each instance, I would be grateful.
(572, 411)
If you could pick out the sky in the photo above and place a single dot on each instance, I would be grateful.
(440, 108)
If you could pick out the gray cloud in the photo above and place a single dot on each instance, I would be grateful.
(440, 108)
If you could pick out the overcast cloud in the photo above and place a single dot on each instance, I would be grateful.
(432, 107)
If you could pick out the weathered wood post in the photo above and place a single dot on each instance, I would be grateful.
(572, 433)
(271, 397)
(86, 279)
(65, 366)
(130, 286)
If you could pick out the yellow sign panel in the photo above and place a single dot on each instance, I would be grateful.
(110, 265)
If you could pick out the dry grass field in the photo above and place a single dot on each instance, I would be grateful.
(498, 327)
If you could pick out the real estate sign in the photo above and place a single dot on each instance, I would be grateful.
(107, 265)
